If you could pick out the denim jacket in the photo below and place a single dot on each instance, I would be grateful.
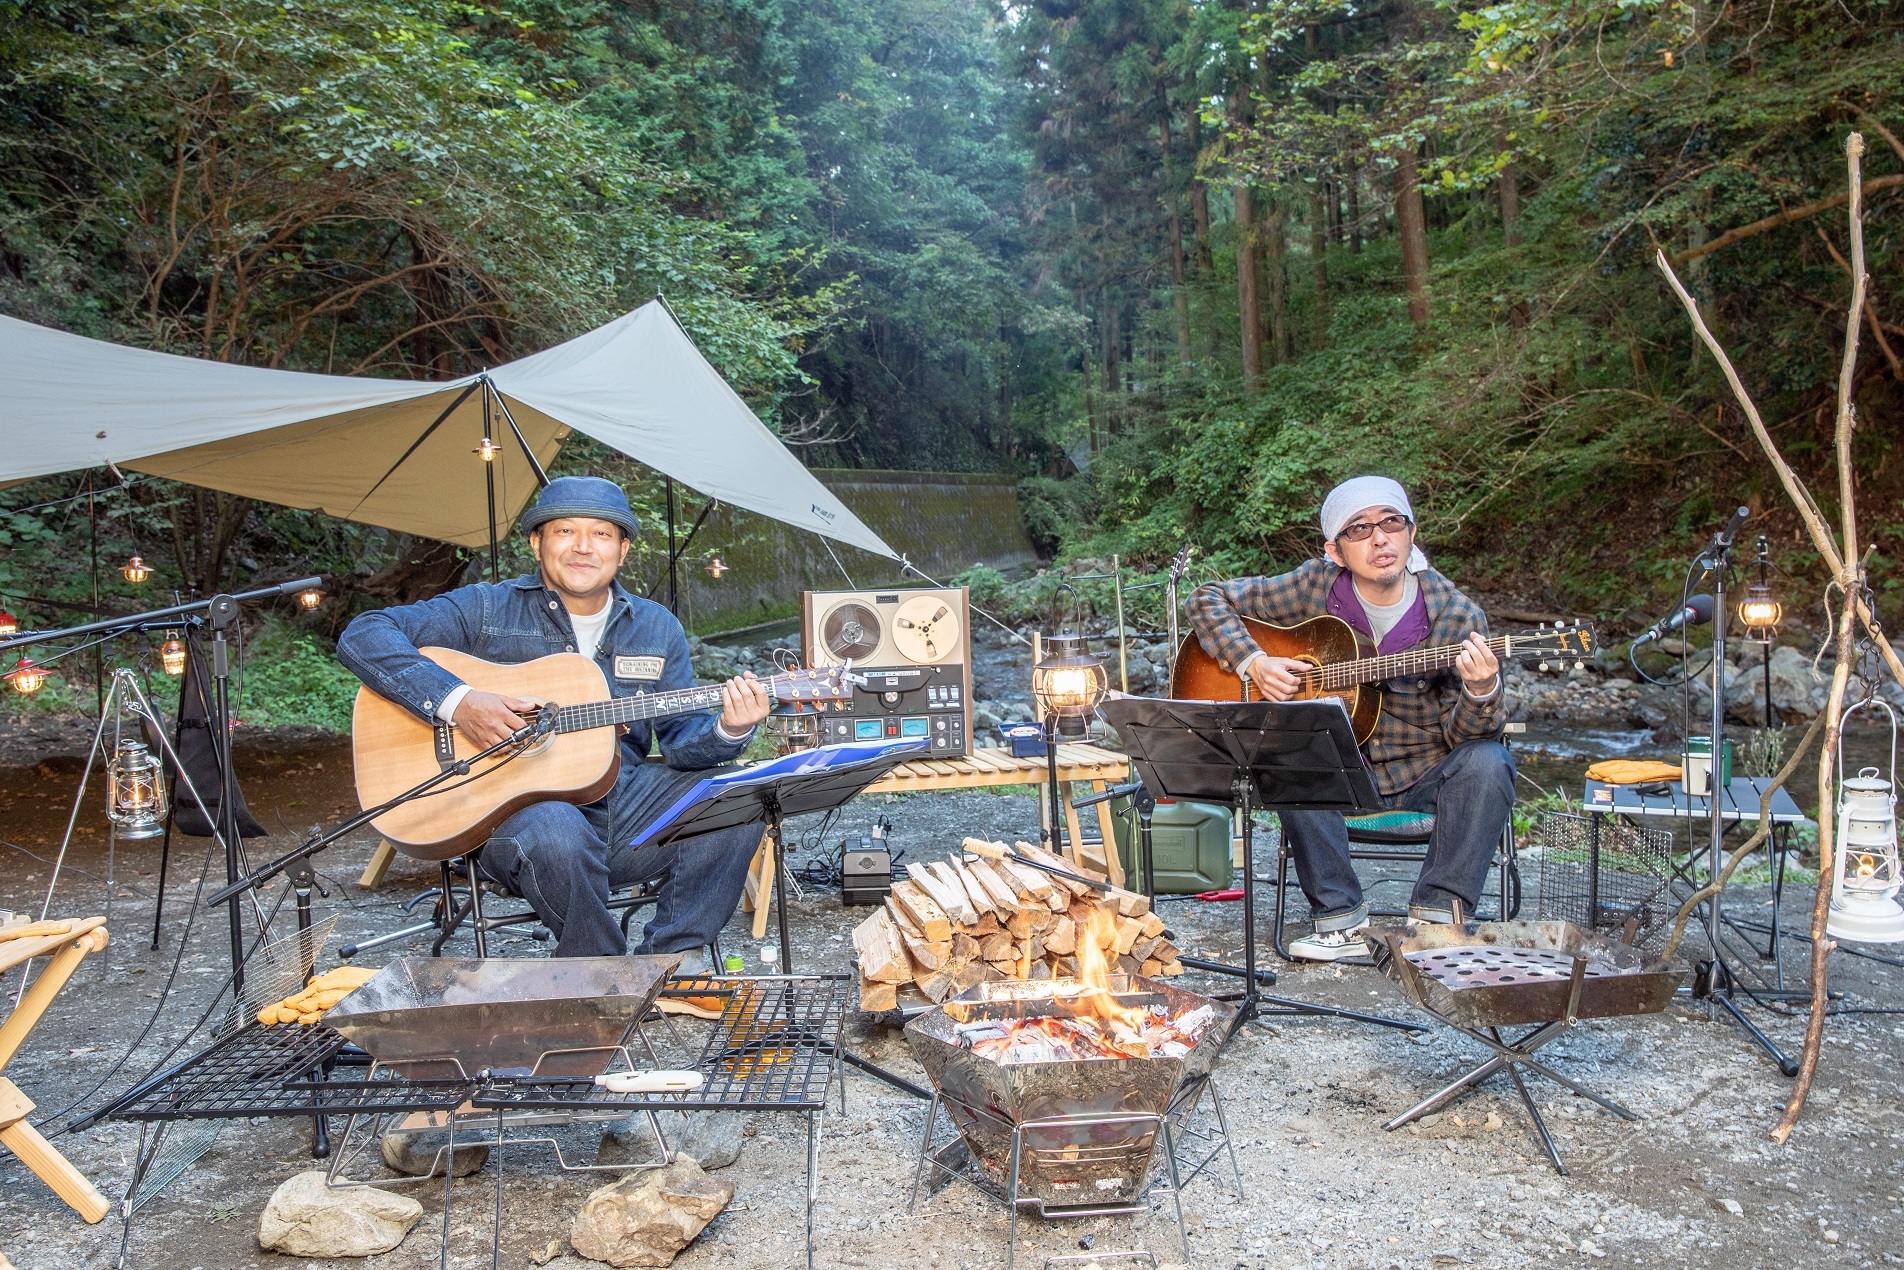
(643, 650)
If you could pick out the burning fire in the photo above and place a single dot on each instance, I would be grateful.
(1095, 1026)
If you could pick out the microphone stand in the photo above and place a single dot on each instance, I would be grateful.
(220, 611)
(1718, 983)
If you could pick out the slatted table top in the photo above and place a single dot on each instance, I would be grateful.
(1076, 762)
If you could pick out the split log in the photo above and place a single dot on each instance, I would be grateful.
(925, 911)
(987, 924)
(1062, 938)
(877, 997)
(998, 946)
(882, 954)
(964, 946)
(981, 901)
(951, 899)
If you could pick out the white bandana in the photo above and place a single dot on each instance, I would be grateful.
(1352, 495)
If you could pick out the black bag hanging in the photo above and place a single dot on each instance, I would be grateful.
(193, 741)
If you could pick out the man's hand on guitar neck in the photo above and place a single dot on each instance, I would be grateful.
(485, 718)
(1274, 678)
(1478, 667)
(745, 701)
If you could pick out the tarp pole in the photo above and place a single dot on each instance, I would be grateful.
(674, 585)
(489, 477)
(535, 464)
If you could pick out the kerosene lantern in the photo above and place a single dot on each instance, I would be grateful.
(135, 789)
(27, 676)
(1866, 877)
(172, 654)
(135, 570)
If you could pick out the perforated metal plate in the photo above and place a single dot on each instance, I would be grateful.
(1490, 966)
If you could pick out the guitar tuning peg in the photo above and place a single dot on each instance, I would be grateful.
(1545, 666)
(1580, 665)
(1541, 626)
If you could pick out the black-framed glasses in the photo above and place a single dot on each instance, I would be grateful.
(1361, 529)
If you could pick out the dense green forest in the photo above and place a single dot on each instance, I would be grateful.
(1178, 264)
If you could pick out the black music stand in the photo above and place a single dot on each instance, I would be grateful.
(795, 785)
(1272, 755)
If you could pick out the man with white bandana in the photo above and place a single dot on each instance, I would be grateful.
(1437, 745)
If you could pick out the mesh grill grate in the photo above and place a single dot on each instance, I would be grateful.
(775, 1045)
(1600, 881)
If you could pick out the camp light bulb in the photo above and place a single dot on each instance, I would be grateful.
(27, 676)
(309, 598)
(9, 624)
(172, 654)
(135, 791)
(716, 567)
(1866, 877)
(488, 450)
(135, 570)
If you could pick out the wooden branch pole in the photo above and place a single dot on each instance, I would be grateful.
(1847, 572)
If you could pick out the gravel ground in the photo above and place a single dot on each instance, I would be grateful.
(1324, 1185)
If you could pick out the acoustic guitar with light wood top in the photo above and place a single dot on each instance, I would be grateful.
(1343, 663)
(575, 759)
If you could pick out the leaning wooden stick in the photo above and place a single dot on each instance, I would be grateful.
(1846, 572)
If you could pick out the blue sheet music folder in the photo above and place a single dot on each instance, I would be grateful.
(825, 758)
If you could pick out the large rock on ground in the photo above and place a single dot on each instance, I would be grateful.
(417, 1146)
(306, 1218)
(1795, 689)
(712, 1139)
(646, 1219)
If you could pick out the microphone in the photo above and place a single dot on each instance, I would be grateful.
(1697, 612)
(1731, 531)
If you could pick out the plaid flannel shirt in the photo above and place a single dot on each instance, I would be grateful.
(1422, 718)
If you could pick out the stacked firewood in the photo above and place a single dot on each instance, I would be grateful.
(988, 914)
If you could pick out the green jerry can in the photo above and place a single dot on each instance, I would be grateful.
(1189, 846)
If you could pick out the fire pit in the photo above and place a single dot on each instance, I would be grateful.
(1059, 1089)
(1481, 977)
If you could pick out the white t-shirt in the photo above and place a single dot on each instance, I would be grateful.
(589, 628)
(1383, 617)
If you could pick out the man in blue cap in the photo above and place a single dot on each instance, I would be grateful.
(564, 859)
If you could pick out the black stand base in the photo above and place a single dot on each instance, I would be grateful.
(1713, 982)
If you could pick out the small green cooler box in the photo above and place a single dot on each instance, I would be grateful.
(1189, 842)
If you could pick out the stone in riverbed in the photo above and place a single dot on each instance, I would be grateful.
(306, 1218)
(712, 1139)
(647, 1218)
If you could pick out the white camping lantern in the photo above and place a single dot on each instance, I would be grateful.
(1866, 877)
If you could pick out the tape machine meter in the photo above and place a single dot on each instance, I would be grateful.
(913, 650)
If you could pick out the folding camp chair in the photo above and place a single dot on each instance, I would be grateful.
(65, 944)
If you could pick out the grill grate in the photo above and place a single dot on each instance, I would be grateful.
(776, 1044)
(266, 1071)
(1490, 966)
(1597, 873)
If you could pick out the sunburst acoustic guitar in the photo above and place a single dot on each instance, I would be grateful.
(1343, 663)
(575, 760)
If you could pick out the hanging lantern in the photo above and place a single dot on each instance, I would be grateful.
(172, 654)
(9, 624)
(488, 450)
(135, 570)
(309, 598)
(27, 676)
(1760, 611)
(1068, 684)
(1866, 877)
(135, 791)
(717, 567)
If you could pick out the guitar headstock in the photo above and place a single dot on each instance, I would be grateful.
(806, 691)
(1556, 644)
(1181, 565)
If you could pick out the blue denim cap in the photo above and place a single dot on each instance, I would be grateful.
(589, 496)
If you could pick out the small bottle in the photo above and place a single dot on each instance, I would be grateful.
(770, 958)
(732, 963)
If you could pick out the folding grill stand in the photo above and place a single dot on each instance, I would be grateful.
(1276, 755)
(1510, 1056)
(735, 800)
(1172, 1125)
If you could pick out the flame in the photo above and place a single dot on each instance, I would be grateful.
(1867, 867)
(1094, 969)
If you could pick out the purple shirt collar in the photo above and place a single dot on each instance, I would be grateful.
(1410, 631)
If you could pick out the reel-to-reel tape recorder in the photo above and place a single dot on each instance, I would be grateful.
(913, 649)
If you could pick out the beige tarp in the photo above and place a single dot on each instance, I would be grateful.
(381, 451)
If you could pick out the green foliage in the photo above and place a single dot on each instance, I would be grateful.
(293, 677)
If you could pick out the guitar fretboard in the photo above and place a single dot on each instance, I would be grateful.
(652, 705)
(1415, 661)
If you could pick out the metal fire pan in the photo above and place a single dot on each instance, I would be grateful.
(1063, 1166)
(441, 1016)
(1504, 974)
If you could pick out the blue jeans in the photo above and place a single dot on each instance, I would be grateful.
(565, 859)
(1470, 792)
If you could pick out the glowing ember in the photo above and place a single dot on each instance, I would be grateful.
(1131, 1032)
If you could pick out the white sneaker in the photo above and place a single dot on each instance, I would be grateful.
(1331, 945)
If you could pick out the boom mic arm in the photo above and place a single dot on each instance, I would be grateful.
(1697, 612)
